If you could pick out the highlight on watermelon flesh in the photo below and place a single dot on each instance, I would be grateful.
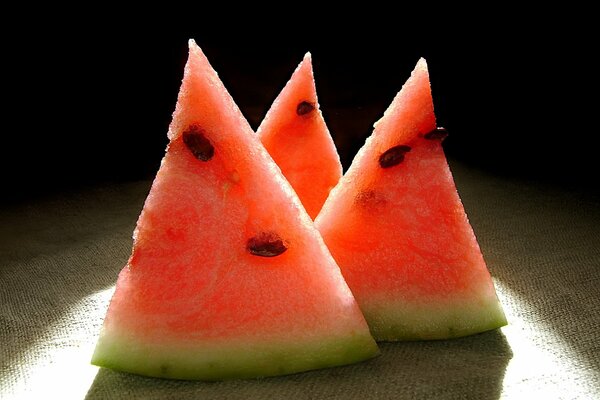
(398, 230)
(228, 277)
(296, 136)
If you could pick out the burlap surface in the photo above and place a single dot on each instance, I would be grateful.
(60, 256)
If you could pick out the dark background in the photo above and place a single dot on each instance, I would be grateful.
(94, 99)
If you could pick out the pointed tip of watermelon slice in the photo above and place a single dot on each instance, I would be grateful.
(195, 53)
(301, 81)
(305, 67)
(198, 72)
(194, 48)
(196, 61)
(418, 89)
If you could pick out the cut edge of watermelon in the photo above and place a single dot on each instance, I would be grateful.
(228, 360)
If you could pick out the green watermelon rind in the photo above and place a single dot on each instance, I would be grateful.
(230, 361)
(428, 321)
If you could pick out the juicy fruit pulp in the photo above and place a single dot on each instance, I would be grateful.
(397, 228)
(295, 135)
(228, 276)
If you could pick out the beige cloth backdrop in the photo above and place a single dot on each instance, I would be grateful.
(60, 256)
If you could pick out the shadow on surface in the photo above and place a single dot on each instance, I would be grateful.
(465, 368)
(54, 253)
(543, 243)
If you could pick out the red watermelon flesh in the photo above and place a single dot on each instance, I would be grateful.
(228, 277)
(398, 230)
(296, 136)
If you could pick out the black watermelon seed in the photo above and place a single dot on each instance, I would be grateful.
(436, 134)
(198, 144)
(304, 108)
(393, 156)
(266, 244)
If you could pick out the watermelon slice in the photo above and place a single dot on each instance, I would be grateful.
(228, 277)
(297, 138)
(397, 228)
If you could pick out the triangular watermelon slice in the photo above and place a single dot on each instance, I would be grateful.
(297, 138)
(398, 230)
(228, 276)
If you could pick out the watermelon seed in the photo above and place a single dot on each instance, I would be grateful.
(266, 244)
(393, 156)
(304, 108)
(437, 134)
(198, 144)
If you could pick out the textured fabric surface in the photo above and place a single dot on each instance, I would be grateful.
(60, 256)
